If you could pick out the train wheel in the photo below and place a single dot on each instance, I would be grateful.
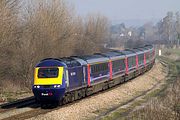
(88, 92)
(37, 101)
(65, 100)
(83, 91)
(105, 86)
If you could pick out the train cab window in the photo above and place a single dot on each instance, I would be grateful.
(48, 72)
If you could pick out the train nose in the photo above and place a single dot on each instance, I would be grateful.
(49, 94)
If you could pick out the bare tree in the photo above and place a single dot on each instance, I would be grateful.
(91, 34)
(96, 31)
(43, 29)
(177, 27)
(8, 36)
(46, 32)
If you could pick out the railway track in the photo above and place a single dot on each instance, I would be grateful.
(29, 108)
(19, 103)
(7, 108)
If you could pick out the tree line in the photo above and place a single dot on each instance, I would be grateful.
(34, 30)
(165, 31)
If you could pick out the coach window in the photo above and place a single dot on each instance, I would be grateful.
(105, 66)
(122, 63)
(134, 61)
(115, 65)
(96, 68)
(147, 56)
(130, 62)
(93, 69)
(140, 59)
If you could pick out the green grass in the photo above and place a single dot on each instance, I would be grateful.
(153, 94)
(171, 51)
(178, 66)
(174, 51)
(117, 114)
(121, 113)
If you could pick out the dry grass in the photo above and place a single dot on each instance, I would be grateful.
(164, 108)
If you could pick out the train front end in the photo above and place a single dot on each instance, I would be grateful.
(49, 82)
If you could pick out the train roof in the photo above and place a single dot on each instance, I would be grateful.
(94, 58)
(148, 46)
(74, 61)
(128, 52)
(50, 59)
(112, 55)
(47, 62)
(88, 57)
(138, 51)
(143, 49)
(70, 62)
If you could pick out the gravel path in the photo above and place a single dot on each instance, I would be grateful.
(91, 107)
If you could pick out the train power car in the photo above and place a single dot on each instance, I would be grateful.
(67, 79)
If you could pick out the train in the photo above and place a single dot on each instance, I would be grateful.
(67, 79)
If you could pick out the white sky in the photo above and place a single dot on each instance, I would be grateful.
(127, 9)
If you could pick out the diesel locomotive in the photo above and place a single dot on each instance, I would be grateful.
(70, 78)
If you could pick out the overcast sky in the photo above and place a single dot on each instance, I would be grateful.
(127, 9)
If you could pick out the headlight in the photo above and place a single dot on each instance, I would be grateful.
(34, 86)
(38, 86)
(57, 86)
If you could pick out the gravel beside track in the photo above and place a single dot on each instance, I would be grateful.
(93, 106)
(16, 107)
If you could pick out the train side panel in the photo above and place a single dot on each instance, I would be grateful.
(76, 77)
(99, 72)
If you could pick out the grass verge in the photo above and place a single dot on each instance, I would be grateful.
(122, 113)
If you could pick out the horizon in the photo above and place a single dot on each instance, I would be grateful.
(142, 10)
